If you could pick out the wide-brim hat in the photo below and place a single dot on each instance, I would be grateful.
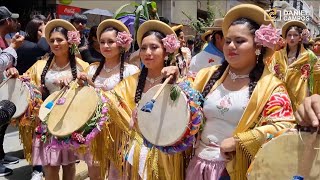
(204, 35)
(316, 39)
(217, 25)
(153, 25)
(292, 23)
(176, 28)
(249, 11)
(112, 23)
(57, 23)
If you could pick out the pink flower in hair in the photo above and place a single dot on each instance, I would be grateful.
(305, 35)
(267, 36)
(74, 37)
(124, 39)
(171, 43)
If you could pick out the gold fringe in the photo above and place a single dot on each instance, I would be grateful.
(26, 135)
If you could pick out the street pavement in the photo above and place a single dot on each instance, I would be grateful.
(22, 170)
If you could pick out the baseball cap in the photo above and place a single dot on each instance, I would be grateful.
(5, 13)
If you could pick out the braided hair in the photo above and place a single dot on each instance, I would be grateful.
(122, 58)
(144, 71)
(255, 73)
(49, 61)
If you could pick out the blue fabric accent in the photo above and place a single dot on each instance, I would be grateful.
(212, 49)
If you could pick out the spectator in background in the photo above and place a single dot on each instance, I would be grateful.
(190, 45)
(79, 22)
(92, 53)
(7, 25)
(34, 46)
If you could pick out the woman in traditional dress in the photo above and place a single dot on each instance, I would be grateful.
(245, 105)
(50, 75)
(294, 64)
(115, 40)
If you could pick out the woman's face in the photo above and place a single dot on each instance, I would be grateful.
(293, 37)
(239, 47)
(40, 28)
(182, 39)
(108, 44)
(152, 52)
(58, 44)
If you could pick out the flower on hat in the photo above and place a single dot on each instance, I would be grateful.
(171, 43)
(124, 39)
(74, 39)
(267, 36)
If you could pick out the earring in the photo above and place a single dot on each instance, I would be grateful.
(258, 52)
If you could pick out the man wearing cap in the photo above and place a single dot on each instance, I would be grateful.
(8, 58)
(79, 22)
(212, 54)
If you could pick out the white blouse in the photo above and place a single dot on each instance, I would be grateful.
(223, 110)
(110, 82)
(52, 76)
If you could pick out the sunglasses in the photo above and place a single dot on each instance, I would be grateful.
(80, 21)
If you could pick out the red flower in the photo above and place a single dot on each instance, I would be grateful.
(305, 70)
(211, 60)
(276, 69)
(78, 137)
(278, 106)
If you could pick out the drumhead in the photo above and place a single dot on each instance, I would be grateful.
(43, 111)
(15, 91)
(168, 120)
(286, 156)
(80, 106)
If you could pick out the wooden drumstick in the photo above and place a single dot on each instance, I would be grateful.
(62, 99)
(149, 105)
(9, 77)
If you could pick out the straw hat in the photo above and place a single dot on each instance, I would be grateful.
(249, 11)
(176, 28)
(292, 23)
(153, 25)
(316, 39)
(112, 23)
(204, 35)
(57, 23)
(217, 25)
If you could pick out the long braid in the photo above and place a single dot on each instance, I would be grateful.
(101, 63)
(122, 57)
(213, 79)
(256, 72)
(43, 77)
(73, 65)
(141, 83)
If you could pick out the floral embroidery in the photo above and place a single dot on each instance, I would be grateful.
(225, 104)
(211, 60)
(278, 106)
(277, 71)
(305, 71)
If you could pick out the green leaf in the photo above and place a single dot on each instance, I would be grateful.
(122, 14)
(134, 4)
(174, 92)
(145, 8)
(153, 4)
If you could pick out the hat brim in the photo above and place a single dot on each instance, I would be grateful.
(176, 28)
(212, 28)
(153, 25)
(112, 23)
(316, 39)
(57, 23)
(249, 11)
(204, 35)
(292, 23)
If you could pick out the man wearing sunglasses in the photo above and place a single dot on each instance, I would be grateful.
(79, 22)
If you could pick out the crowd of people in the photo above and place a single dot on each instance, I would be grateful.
(255, 81)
